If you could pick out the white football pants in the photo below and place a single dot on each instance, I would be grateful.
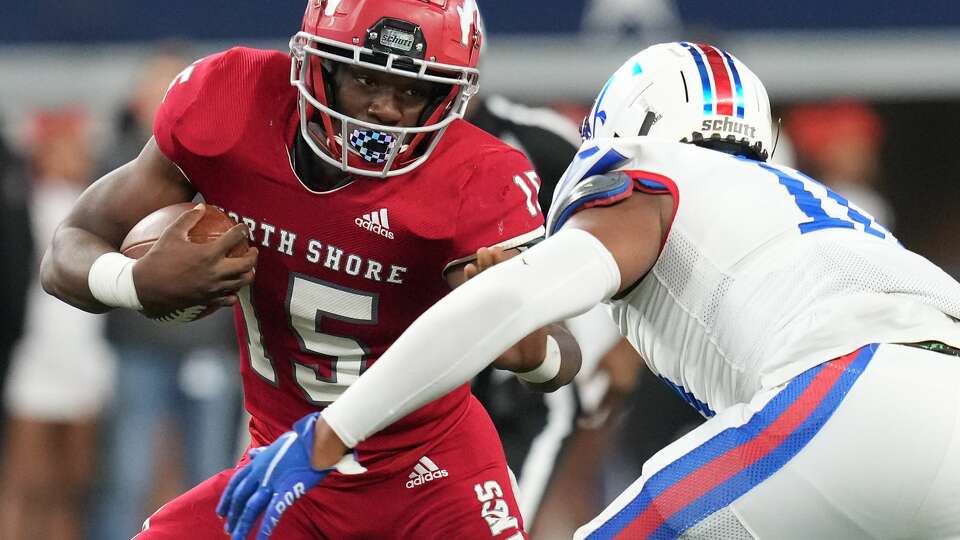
(858, 447)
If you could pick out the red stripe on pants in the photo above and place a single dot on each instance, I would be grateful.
(723, 467)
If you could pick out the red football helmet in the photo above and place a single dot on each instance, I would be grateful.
(432, 40)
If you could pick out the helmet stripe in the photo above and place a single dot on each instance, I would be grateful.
(704, 78)
(721, 79)
(737, 83)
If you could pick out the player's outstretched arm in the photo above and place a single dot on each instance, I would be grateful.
(546, 359)
(175, 271)
(599, 252)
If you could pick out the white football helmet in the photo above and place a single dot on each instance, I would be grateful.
(687, 92)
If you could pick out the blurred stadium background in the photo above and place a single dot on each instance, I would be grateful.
(868, 93)
(899, 57)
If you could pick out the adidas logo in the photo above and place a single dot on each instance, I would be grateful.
(425, 471)
(376, 222)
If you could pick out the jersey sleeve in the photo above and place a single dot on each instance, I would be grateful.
(195, 117)
(498, 207)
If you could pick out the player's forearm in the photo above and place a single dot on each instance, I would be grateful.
(327, 446)
(581, 342)
(568, 351)
(66, 267)
(460, 335)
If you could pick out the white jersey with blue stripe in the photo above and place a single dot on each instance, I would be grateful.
(764, 273)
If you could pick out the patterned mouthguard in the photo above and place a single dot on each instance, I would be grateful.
(373, 146)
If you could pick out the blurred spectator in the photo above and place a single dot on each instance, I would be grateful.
(177, 381)
(62, 367)
(16, 244)
(840, 142)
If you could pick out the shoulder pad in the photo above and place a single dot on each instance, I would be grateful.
(597, 190)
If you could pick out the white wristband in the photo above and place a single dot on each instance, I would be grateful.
(549, 368)
(111, 281)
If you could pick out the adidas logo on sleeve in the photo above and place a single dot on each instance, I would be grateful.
(425, 471)
(376, 222)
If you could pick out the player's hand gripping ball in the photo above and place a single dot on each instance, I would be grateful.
(207, 228)
(276, 477)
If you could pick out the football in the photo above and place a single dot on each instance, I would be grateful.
(142, 236)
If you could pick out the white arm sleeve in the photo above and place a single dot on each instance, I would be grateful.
(464, 332)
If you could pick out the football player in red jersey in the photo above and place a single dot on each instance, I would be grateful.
(364, 196)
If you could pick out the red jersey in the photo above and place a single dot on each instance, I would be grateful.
(341, 274)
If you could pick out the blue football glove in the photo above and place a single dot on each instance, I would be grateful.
(275, 478)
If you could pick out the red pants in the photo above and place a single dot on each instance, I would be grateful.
(455, 487)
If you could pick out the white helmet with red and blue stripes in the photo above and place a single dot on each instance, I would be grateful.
(686, 92)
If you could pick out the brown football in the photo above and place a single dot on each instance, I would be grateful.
(213, 224)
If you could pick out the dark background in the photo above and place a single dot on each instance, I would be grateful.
(96, 21)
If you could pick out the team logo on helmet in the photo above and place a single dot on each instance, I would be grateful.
(331, 7)
(468, 17)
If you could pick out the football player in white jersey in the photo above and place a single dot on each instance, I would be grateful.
(823, 352)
